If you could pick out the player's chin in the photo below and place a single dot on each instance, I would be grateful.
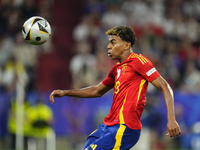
(111, 56)
(114, 58)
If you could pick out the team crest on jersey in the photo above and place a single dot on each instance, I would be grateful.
(118, 73)
(124, 67)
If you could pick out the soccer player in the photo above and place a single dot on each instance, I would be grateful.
(121, 128)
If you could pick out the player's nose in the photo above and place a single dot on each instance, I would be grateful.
(109, 46)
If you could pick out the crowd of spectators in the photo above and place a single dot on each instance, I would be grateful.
(18, 61)
(18, 58)
(167, 32)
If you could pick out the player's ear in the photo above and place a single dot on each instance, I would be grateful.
(127, 45)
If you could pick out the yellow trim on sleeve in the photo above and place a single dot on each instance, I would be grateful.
(142, 59)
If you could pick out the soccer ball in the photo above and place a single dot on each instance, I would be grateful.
(36, 30)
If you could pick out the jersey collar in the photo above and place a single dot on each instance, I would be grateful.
(129, 56)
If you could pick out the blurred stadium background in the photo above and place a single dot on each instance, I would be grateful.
(167, 32)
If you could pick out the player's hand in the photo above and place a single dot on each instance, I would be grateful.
(56, 93)
(173, 129)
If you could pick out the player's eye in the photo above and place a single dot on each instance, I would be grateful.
(112, 43)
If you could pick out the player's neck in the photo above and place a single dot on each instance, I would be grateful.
(124, 56)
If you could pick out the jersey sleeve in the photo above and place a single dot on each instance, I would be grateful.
(110, 79)
(144, 67)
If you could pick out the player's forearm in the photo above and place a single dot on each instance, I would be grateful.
(169, 102)
(165, 88)
(87, 92)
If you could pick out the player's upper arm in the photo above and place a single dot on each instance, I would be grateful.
(102, 89)
(160, 83)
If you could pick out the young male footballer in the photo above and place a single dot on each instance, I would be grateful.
(121, 128)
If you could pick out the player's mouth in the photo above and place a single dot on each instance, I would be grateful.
(109, 54)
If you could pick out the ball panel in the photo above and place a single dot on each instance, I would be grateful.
(35, 20)
(28, 36)
(42, 29)
(23, 30)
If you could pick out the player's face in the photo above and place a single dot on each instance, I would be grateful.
(116, 47)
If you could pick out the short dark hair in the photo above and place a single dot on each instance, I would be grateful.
(126, 33)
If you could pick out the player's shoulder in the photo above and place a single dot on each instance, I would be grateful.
(138, 58)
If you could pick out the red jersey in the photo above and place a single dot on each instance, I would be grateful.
(130, 80)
